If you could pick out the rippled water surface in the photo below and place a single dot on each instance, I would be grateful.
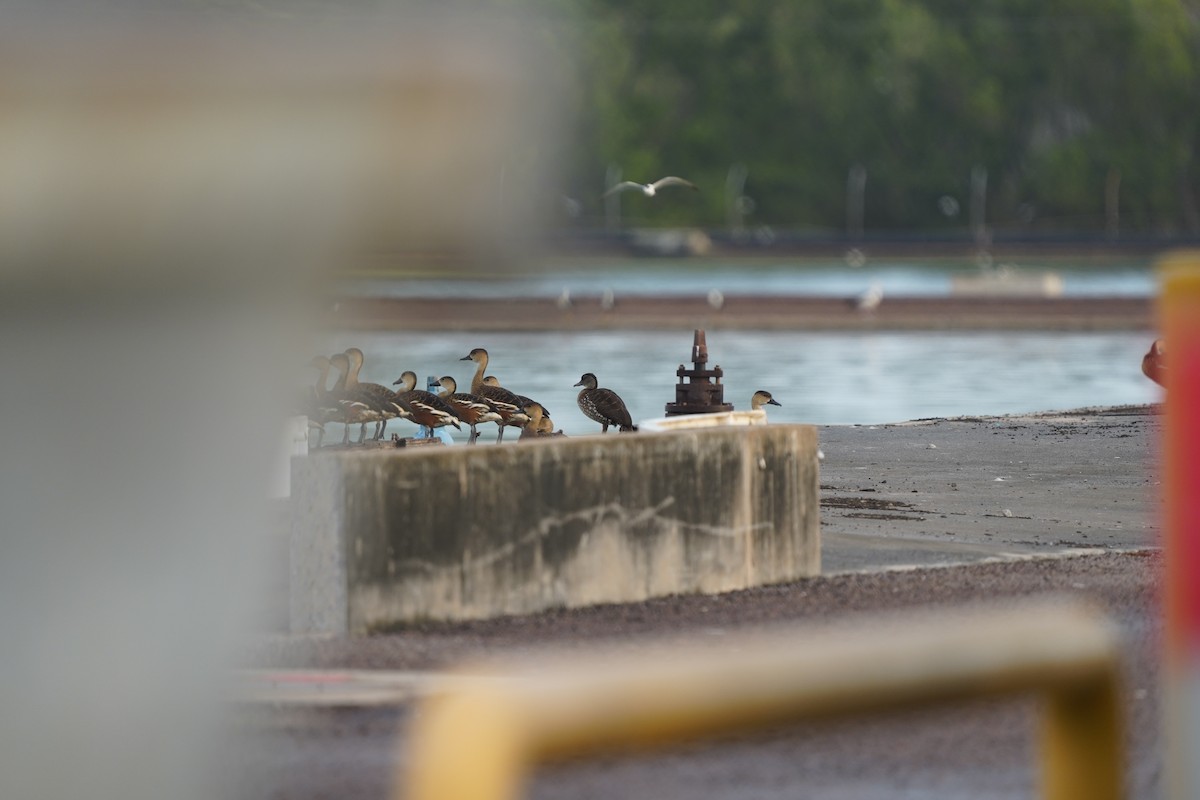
(819, 377)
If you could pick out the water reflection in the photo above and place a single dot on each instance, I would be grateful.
(819, 377)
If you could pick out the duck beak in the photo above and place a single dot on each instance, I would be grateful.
(774, 402)
(579, 384)
(397, 381)
(465, 358)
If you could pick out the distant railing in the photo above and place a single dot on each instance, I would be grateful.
(480, 743)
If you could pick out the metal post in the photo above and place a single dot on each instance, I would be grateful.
(856, 192)
(979, 205)
(735, 185)
(1112, 202)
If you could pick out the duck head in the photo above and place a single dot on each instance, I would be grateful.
(478, 355)
(407, 381)
(762, 398)
(448, 383)
(588, 381)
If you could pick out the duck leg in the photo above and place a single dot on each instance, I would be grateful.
(345, 433)
(605, 428)
(500, 438)
(380, 427)
(362, 433)
(474, 435)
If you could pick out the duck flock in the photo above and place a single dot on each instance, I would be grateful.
(352, 402)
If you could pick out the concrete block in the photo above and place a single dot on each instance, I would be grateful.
(387, 537)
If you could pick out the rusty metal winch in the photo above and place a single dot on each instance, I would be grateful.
(703, 392)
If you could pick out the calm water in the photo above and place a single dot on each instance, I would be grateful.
(829, 278)
(819, 377)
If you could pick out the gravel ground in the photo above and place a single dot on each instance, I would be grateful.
(906, 526)
(981, 750)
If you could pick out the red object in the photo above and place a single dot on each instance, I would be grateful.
(1181, 454)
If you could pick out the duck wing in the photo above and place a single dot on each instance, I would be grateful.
(429, 409)
(606, 407)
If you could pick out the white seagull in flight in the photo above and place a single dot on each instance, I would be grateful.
(651, 189)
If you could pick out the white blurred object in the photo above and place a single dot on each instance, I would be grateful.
(167, 201)
(1006, 281)
(693, 421)
(869, 300)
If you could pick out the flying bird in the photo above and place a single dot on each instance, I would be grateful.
(651, 189)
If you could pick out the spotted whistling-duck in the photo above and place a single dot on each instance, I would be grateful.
(763, 398)
(603, 405)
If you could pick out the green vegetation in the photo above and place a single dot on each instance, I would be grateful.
(1069, 105)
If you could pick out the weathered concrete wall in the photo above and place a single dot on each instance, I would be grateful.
(388, 536)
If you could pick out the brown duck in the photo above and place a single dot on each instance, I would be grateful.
(315, 403)
(427, 408)
(533, 428)
(387, 403)
(603, 405)
(357, 406)
(471, 409)
(503, 402)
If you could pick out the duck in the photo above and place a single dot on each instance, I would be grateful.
(763, 398)
(314, 403)
(355, 406)
(389, 405)
(651, 189)
(533, 428)
(471, 409)
(493, 381)
(603, 405)
(503, 402)
(546, 428)
(427, 408)
(1154, 363)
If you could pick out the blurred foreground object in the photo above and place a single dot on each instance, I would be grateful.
(1180, 317)
(597, 704)
(167, 198)
(1154, 363)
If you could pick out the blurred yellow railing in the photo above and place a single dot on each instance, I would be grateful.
(480, 743)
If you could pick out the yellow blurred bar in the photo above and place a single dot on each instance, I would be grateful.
(480, 744)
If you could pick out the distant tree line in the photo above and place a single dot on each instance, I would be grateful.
(1041, 116)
